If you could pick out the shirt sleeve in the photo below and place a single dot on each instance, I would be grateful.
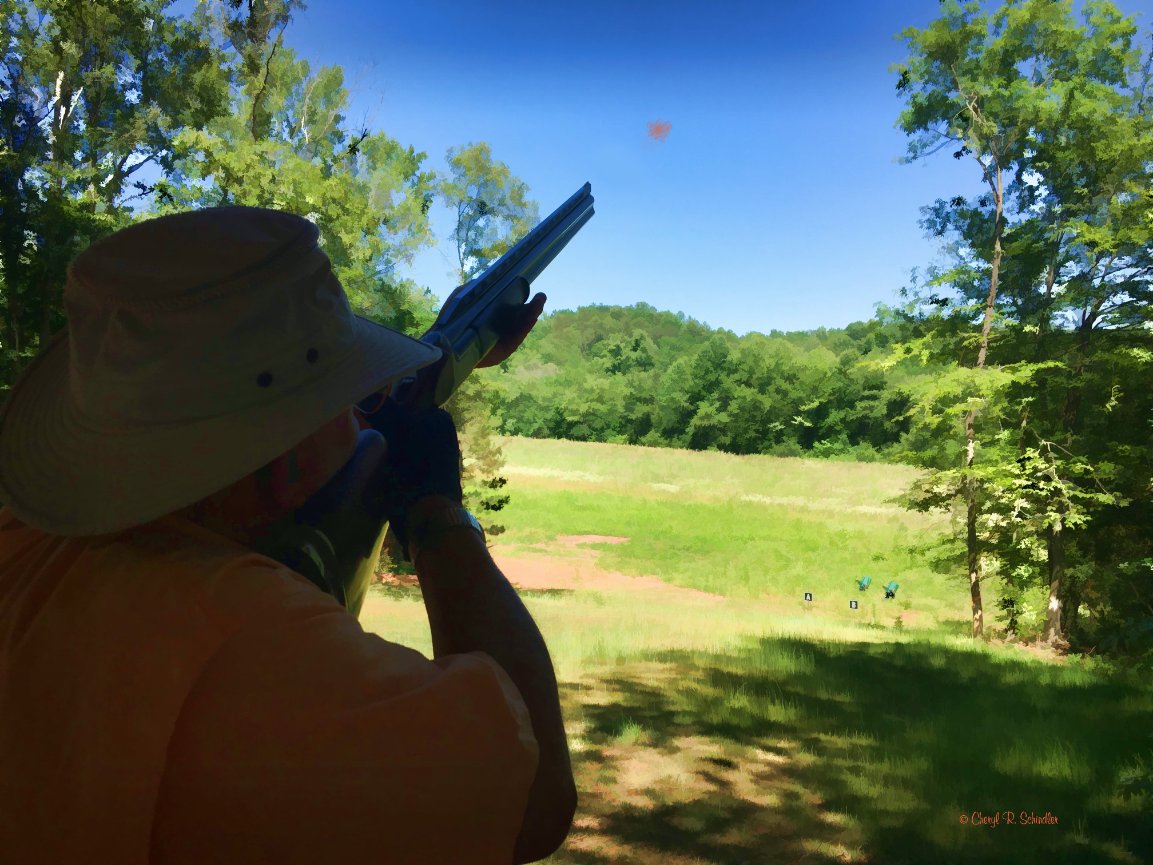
(309, 740)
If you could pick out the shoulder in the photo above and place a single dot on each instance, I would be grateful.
(308, 739)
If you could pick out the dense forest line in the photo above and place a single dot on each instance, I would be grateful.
(636, 375)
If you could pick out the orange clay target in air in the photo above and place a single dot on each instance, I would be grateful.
(659, 130)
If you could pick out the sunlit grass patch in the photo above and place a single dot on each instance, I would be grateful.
(630, 733)
(1044, 758)
(710, 475)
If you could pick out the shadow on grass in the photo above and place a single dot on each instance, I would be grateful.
(791, 750)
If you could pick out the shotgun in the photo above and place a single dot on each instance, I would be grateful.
(334, 539)
(471, 321)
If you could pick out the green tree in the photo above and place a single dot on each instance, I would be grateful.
(1093, 146)
(91, 93)
(492, 213)
(492, 207)
(286, 145)
(674, 409)
(1057, 114)
(681, 384)
(622, 355)
(957, 92)
(978, 83)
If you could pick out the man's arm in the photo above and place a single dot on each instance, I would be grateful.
(472, 607)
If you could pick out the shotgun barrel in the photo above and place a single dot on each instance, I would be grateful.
(469, 323)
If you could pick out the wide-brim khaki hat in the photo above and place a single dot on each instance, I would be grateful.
(199, 347)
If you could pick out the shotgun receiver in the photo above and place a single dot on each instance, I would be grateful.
(470, 322)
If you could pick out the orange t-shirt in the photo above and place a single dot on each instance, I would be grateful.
(169, 697)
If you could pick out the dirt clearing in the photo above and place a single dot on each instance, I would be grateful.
(576, 569)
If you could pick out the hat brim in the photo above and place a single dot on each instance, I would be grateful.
(60, 476)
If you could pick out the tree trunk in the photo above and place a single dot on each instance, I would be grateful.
(11, 247)
(1056, 553)
(1043, 318)
(45, 318)
(12, 309)
(970, 428)
(974, 564)
(1055, 535)
(1071, 628)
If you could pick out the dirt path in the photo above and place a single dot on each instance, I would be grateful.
(576, 567)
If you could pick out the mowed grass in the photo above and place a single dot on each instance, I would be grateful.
(761, 729)
(745, 527)
(812, 484)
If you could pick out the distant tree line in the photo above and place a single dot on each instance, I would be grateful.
(636, 375)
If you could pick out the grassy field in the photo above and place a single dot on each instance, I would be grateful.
(764, 729)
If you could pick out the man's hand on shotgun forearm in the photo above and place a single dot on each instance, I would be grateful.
(517, 325)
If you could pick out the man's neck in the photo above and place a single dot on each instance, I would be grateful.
(236, 524)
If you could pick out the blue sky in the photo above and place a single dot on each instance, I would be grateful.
(776, 200)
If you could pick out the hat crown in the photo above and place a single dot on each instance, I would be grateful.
(181, 256)
(201, 314)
